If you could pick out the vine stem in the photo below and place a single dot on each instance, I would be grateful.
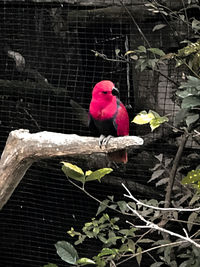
(150, 249)
(134, 21)
(174, 169)
(138, 202)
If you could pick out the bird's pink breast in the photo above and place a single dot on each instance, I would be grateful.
(101, 110)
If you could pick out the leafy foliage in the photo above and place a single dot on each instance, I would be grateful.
(145, 57)
(161, 170)
(152, 117)
(189, 56)
(107, 231)
(120, 243)
(193, 178)
(76, 173)
(189, 94)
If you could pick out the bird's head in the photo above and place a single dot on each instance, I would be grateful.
(105, 90)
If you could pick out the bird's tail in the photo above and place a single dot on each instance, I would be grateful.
(119, 156)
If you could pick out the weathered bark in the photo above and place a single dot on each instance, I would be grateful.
(110, 9)
(23, 148)
(103, 3)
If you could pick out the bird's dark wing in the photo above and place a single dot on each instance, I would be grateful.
(93, 128)
(105, 127)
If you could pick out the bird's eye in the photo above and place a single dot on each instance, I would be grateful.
(104, 92)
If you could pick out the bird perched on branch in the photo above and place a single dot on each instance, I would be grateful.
(108, 117)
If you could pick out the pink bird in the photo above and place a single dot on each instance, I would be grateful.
(108, 117)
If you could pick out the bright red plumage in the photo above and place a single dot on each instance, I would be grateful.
(108, 116)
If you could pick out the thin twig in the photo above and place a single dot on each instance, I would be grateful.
(152, 225)
(134, 21)
(174, 170)
(138, 202)
(158, 228)
(151, 249)
(124, 60)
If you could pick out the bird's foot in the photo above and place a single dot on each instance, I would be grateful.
(103, 141)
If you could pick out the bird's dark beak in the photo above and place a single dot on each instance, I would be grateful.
(115, 91)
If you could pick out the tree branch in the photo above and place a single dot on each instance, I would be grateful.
(151, 225)
(23, 148)
(138, 202)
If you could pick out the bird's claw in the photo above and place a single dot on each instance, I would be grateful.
(103, 141)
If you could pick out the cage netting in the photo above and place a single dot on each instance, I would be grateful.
(52, 52)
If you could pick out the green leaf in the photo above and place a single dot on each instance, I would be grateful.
(152, 117)
(128, 247)
(97, 175)
(87, 173)
(189, 49)
(103, 206)
(143, 118)
(196, 24)
(141, 48)
(122, 205)
(104, 218)
(190, 102)
(112, 240)
(129, 52)
(181, 115)
(156, 51)
(190, 91)
(156, 175)
(192, 82)
(158, 27)
(191, 219)
(152, 63)
(192, 177)
(194, 199)
(108, 251)
(128, 232)
(96, 231)
(117, 51)
(179, 62)
(72, 232)
(155, 123)
(131, 245)
(73, 171)
(67, 252)
(85, 261)
(139, 256)
(80, 240)
(111, 198)
(167, 255)
(159, 157)
(143, 65)
(100, 262)
(134, 57)
(190, 119)
(102, 238)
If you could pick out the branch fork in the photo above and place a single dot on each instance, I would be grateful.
(23, 148)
